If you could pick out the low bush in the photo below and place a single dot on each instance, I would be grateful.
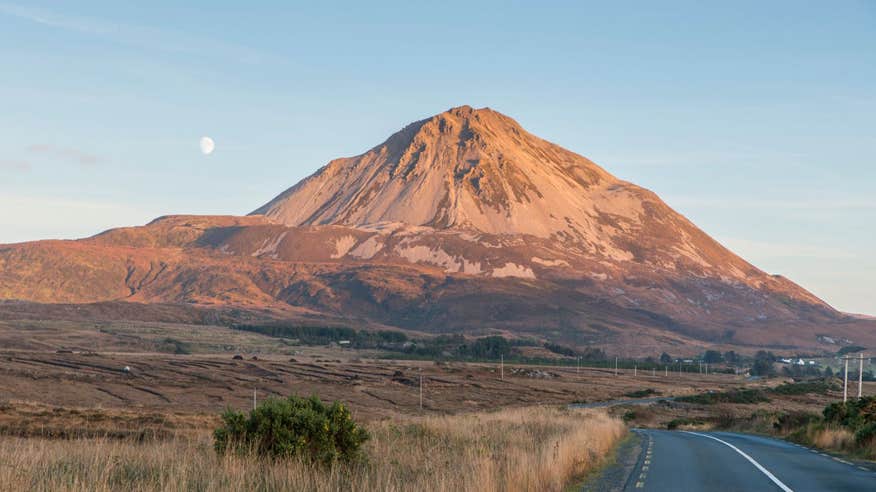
(744, 396)
(854, 414)
(641, 393)
(680, 422)
(866, 435)
(174, 346)
(305, 428)
(802, 388)
(789, 422)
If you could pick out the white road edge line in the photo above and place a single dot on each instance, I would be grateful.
(749, 458)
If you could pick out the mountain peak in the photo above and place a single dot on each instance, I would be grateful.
(464, 168)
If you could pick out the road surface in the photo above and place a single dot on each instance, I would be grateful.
(726, 461)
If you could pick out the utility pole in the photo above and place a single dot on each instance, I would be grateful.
(846, 381)
(635, 370)
(860, 374)
(665, 371)
(253, 398)
(615, 366)
(578, 367)
(421, 392)
(502, 367)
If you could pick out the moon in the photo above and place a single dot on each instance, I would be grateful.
(207, 145)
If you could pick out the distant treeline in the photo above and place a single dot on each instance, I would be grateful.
(458, 347)
(454, 346)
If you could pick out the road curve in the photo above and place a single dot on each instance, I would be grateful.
(726, 461)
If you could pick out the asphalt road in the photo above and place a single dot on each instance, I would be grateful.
(714, 461)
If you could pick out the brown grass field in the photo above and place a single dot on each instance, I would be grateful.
(537, 448)
(72, 365)
(72, 417)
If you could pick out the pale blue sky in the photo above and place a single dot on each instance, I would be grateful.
(754, 119)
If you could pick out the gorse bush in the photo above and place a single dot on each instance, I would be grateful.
(866, 435)
(854, 414)
(304, 428)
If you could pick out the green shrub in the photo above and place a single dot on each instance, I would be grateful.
(676, 423)
(561, 349)
(763, 364)
(734, 396)
(292, 427)
(641, 393)
(854, 414)
(817, 387)
(792, 421)
(866, 434)
(175, 346)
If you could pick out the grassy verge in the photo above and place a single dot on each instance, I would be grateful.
(536, 448)
(809, 429)
(845, 428)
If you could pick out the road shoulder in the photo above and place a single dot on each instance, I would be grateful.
(614, 474)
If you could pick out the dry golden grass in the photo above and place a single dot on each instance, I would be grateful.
(833, 438)
(537, 448)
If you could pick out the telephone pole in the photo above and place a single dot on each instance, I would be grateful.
(860, 373)
(421, 392)
(253, 398)
(615, 366)
(846, 381)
